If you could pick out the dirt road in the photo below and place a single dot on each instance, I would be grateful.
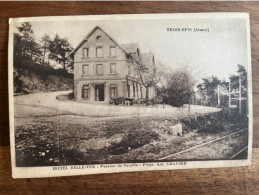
(33, 102)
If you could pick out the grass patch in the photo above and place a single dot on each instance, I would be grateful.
(214, 122)
(68, 139)
(133, 140)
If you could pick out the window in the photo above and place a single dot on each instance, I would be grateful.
(86, 92)
(99, 69)
(113, 51)
(114, 92)
(113, 68)
(145, 70)
(141, 91)
(134, 92)
(99, 52)
(128, 89)
(85, 52)
(137, 89)
(131, 70)
(85, 69)
(99, 39)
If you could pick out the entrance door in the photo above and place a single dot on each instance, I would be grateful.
(99, 93)
(128, 89)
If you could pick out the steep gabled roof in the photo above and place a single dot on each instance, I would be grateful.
(147, 59)
(130, 47)
(87, 37)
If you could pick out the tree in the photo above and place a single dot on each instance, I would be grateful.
(148, 74)
(238, 89)
(210, 86)
(180, 88)
(17, 48)
(234, 80)
(216, 89)
(34, 50)
(25, 45)
(26, 35)
(45, 41)
(59, 49)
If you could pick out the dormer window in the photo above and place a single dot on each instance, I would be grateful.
(85, 52)
(99, 39)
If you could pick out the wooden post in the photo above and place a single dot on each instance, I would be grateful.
(206, 97)
(240, 95)
(229, 98)
(218, 96)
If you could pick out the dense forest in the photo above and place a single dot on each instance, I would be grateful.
(40, 65)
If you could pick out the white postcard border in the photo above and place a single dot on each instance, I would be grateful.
(50, 171)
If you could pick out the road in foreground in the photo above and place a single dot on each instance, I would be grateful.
(48, 100)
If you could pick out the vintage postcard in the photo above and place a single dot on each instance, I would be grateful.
(117, 93)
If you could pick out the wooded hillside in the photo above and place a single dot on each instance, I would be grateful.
(37, 63)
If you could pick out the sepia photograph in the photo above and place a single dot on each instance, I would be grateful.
(113, 93)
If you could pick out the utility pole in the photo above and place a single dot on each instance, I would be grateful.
(206, 97)
(195, 99)
(229, 98)
(240, 95)
(218, 97)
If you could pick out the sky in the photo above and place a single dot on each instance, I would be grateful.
(215, 52)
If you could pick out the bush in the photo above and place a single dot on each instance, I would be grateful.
(214, 122)
(117, 100)
(177, 100)
(121, 100)
(132, 141)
